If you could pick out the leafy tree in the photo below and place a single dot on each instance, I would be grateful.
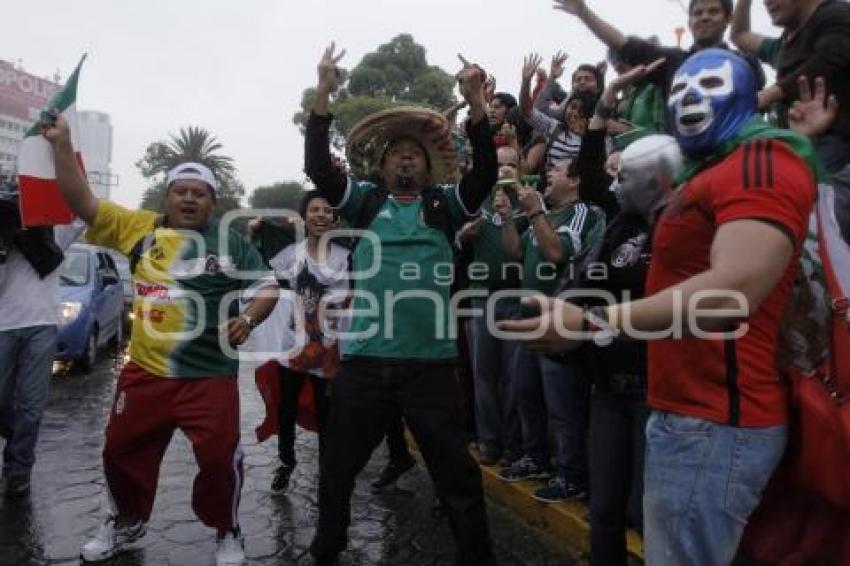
(396, 74)
(191, 144)
(285, 195)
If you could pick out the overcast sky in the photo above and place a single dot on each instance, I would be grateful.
(238, 68)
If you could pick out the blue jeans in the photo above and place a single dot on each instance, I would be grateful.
(26, 362)
(496, 419)
(548, 388)
(702, 482)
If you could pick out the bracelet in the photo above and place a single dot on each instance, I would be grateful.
(534, 215)
(249, 320)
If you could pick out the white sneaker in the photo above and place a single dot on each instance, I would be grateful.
(110, 540)
(230, 549)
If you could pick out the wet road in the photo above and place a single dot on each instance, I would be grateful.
(398, 527)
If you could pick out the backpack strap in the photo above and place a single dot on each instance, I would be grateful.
(372, 203)
(145, 243)
(436, 214)
(435, 210)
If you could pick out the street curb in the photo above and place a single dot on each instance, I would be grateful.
(565, 524)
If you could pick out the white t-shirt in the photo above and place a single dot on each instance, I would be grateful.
(294, 330)
(25, 298)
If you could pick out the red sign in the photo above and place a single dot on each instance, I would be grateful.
(23, 95)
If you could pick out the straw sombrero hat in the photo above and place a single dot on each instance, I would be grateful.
(369, 138)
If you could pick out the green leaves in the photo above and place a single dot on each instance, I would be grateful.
(396, 74)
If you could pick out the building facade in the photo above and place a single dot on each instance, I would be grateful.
(22, 98)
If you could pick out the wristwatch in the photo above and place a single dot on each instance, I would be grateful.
(249, 320)
(595, 319)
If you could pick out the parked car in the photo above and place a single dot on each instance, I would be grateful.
(91, 304)
(123, 265)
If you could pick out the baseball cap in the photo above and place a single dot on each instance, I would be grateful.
(193, 171)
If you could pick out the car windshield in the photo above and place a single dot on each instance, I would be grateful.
(75, 269)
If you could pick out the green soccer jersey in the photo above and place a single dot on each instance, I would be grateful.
(186, 285)
(491, 268)
(402, 278)
(577, 227)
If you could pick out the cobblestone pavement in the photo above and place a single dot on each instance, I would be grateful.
(398, 527)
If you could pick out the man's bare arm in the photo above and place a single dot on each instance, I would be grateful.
(741, 33)
(605, 32)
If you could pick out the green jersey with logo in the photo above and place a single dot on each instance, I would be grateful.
(402, 279)
(185, 286)
(577, 227)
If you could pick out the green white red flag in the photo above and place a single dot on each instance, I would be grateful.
(41, 200)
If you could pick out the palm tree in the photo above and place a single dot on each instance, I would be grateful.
(196, 144)
(191, 144)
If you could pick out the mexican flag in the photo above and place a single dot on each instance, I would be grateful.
(41, 200)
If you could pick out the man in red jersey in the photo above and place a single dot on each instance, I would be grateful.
(723, 266)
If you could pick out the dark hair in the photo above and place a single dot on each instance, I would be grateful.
(507, 99)
(408, 138)
(309, 197)
(725, 4)
(600, 80)
(588, 103)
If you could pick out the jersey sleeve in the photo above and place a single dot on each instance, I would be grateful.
(249, 259)
(766, 181)
(579, 230)
(119, 228)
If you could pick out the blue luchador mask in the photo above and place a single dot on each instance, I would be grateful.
(712, 96)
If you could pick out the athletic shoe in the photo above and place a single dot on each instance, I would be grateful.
(524, 469)
(281, 478)
(110, 540)
(559, 489)
(230, 549)
(392, 472)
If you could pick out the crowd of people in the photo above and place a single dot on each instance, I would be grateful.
(612, 263)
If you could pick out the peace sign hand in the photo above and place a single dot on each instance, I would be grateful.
(328, 70)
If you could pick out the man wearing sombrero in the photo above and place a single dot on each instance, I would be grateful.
(400, 354)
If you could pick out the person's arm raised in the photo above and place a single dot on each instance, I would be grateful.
(741, 33)
(529, 68)
(605, 32)
(73, 184)
(330, 181)
(477, 182)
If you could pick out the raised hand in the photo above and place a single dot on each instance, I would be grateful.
(490, 88)
(328, 70)
(812, 114)
(471, 82)
(529, 199)
(529, 66)
(556, 69)
(572, 7)
(55, 130)
(636, 74)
